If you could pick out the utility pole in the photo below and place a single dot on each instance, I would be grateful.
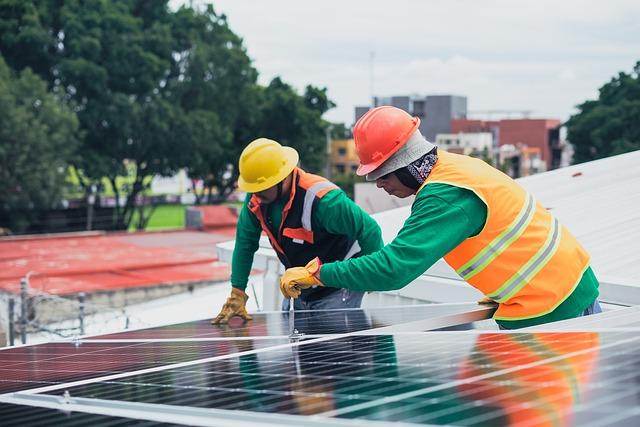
(91, 200)
(328, 150)
(371, 77)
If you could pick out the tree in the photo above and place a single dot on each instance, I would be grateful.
(38, 134)
(216, 88)
(140, 79)
(156, 91)
(347, 182)
(340, 131)
(609, 125)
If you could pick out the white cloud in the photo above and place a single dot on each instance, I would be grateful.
(540, 55)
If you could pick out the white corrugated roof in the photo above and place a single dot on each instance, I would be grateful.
(599, 202)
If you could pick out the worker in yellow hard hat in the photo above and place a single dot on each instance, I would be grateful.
(305, 217)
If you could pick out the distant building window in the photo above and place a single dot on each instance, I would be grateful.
(342, 151)
(340, 168)
(354, 168)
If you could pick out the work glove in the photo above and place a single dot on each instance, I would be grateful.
(235, 306)
(486, 301)
(297, 278)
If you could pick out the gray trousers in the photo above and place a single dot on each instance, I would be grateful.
(592, 309)
(342, 298)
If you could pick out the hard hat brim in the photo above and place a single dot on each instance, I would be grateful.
(291, 156)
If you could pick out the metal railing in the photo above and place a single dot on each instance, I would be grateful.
(31, 311)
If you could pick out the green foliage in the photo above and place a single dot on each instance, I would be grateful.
(486, 156)
(609, 125)
(295, 121)
(37, 137)
(340, 131)
(163, 217)
(347, 182)
(156, 91)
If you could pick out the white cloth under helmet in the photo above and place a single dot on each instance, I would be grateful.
(416, 147)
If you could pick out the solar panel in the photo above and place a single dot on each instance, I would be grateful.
(318, 322)
(378, 369)
(61, 362)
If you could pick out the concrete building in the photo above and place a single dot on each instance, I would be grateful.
(439, 110)
(543, 134)
(520, 161)
(344, 158)
(434, 111)
(477, 144)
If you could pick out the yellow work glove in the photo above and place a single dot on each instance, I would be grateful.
(235, 306)
(487, 301)
(297, 278)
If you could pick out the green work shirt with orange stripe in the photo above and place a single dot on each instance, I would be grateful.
(335, 213)
(442, 217)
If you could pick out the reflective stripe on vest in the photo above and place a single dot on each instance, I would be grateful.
(500, 243)
(523, 258)
(307, 210)
(535, 264)
(309, 197)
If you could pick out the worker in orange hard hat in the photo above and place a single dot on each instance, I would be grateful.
(485, 225)
(304, 216)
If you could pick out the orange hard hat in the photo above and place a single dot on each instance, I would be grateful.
(380, 133)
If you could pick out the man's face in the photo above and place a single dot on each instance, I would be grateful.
(268, 196)
(392, 185)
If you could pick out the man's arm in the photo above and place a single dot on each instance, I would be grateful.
(338, 214)
(441, 218)
(247, 240)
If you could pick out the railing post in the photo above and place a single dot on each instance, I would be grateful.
(81, 307)
(12, 309)
(24, 287)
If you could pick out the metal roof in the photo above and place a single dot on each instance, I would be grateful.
(599, 202)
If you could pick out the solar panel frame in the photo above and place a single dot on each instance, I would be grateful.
(316, 322)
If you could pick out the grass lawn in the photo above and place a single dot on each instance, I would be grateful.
(164, 217)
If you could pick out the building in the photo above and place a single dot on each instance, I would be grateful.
(520, 161)
(435, 111)
(543, 134)
(477, 144)
(344, 158)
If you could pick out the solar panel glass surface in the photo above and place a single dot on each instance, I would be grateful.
(247, 370)
(426, 378)
(60, 362)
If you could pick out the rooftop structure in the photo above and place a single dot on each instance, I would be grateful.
(371, 365)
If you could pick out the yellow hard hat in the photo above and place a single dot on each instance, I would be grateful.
(264, 163)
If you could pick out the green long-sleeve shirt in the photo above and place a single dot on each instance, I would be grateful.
(442, 217)
(335, 213)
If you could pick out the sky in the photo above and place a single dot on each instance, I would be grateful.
(544, 56)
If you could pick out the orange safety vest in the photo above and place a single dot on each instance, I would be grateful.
(295, 240)
(523, 258)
